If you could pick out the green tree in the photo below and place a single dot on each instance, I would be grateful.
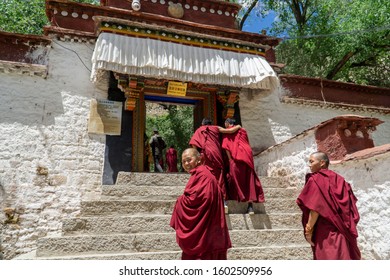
(334, 39)
(176, 126)
(26, 16)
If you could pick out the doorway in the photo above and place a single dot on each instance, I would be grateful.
(126, 151)
(175, 124)
(179, 117)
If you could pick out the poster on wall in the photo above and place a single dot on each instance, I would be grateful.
(105, 117)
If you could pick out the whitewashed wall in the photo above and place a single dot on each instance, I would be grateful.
(43, 124)
(270, 122)
(370, 179)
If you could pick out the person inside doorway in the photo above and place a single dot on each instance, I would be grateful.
(148, 154)
(171, 159)
(158, 145)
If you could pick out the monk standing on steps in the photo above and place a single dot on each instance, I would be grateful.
(171, 159)
(329, 213)
(207, 140)
(243, 183)
(198, 216)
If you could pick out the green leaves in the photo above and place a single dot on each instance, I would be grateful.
(335, 39)
(26, 16)
(20, 16)
(175, 126)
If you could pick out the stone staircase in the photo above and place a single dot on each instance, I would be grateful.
(130, 221)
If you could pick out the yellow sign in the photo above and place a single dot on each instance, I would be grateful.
(177, 88)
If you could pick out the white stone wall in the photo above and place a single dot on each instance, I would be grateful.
(270, 122)
(288, 159)
(370, 179)
(48, 161)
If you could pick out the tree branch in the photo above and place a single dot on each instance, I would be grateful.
(340, 64)
(247, 13)
(299, 9)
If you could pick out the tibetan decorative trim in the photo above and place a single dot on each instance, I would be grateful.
(23, 68)
(175, 10)
(130, 104)
(132, 89)
(68, 16)
(184, 39)
(353, 108)
(228, 98)
(68, 35)
(211, 7)
(284, 78)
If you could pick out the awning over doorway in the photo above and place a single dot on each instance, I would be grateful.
(165, 60)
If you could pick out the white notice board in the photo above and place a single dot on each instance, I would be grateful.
(105, 117)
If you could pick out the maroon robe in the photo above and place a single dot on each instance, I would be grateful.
(207, 139)
(199, 218)
(243, 182)
(171, 160)
(335, 234)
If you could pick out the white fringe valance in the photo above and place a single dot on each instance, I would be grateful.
(158, 59)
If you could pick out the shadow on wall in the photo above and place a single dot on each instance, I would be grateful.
(257, 109)
(2, 196)
(23, 101)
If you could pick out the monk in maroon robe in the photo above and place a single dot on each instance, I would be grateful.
(243, 182)
(198, 217)
(329, 213)
(171, 159)
(208, 142)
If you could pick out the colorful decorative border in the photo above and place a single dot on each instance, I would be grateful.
(168, 36)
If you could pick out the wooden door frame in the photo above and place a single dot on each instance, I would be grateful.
(207, 108)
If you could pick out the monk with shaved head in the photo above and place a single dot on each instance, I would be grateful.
(198, 216)
(207, 140)
(329, 212)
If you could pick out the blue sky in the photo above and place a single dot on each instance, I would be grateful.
(255, 23)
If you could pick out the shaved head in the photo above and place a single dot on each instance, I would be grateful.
(192, 152)
(190, 159)
(321, 156)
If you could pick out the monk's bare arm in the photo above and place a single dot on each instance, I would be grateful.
(313, 216)
(229, 130)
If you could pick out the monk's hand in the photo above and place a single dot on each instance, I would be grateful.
(309, 234)
(308, 229)
(308, 237)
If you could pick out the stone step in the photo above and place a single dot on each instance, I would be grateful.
(160, 223)
(292, 252)
(152, 242)
(172, 192)
(263, 221)
(123, 207)
(270, 206)
(181, 179)
(152, 179)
